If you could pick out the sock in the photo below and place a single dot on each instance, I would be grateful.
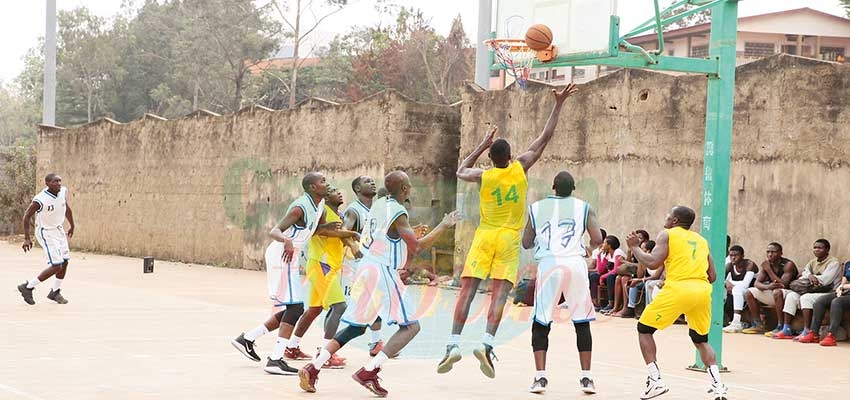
(325, 342)
(57, 283)
(454, 339)
(654, 373)
(376, 336)
(585, 374)
(714, 373)
(736, 318)
(376, 361)
(488, 339)
(540, 374)
(279, 347)
(786, 328)
(32, 283)
(322, 358)
(294, 341)
(255, 333)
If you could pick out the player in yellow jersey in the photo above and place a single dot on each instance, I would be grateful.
(324, 266)
(687, 290)
(495, 247)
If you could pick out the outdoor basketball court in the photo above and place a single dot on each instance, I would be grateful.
(166, 335)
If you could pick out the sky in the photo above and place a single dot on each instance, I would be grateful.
(22, 21)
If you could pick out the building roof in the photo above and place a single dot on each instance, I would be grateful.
(281, 63)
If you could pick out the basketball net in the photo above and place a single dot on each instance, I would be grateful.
(515, 57)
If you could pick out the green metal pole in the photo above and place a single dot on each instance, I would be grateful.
(718, 159)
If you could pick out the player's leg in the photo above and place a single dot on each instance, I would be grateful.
(547, 292)
(309, 374)
(699, 323)
(51, 246)
(484, 354)
(574, 287)
(318, 289)
(737, 295)
(376, 342)
(61, 240)
(661, 313)
(753, 296)
(275, 364)
(245, 341)
(468, 289)
(334, 302)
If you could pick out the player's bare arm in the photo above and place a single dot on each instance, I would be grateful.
(535, 150)
(659, 253)
(528, 236)
(295, 216)
(414, 245)
(349, 220)
(31, 210)
(466, 171)
(712, 274)
(69, 216)
(449, 220)
(593, 228)
(354, 245)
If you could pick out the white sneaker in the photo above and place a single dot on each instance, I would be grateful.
(734, 327)
(653, 389)
(587, 385)
(539, 385)
(718, 392)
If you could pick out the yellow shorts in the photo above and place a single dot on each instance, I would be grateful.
(494, 253)
(325, 285)
(691, 297)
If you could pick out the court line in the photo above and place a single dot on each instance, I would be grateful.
(19, 392)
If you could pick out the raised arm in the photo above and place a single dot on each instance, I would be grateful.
(31, 210)
(465, 171)
(535, 150)
(659, 253)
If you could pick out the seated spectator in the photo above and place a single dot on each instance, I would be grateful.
(823, 273)
(740, 272)
(774, 276)
(625, 273)
(612, 257)
(837, 302)
(654, 283)
(594, 263)
(638, 283)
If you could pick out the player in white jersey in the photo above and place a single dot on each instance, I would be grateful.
(556, 226)
(378, 290)
(50, 207)
(303, 219)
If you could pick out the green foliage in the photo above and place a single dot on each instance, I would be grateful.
(701, 17)
(846, 5)
(17, 183)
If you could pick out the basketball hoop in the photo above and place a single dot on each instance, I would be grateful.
(516, 58)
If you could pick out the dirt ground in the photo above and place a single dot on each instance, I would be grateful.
(166, 335)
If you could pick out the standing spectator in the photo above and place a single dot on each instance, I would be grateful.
(740, 272)
(838, 301)
(774, 276)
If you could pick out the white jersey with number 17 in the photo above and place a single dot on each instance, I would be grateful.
(559, 224)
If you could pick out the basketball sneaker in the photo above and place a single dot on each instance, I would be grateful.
(809, 337)
(654, 388)
(308, 376)
(754, 329)
(56, 296)
(452, 356)
(784, 335)
(733, 327)
(486, 356)
(369, 380)
(334, 363)
(246, 347)
(295, 353)
(375, 348)
(539, 385)
(828, 340)
(718, 392)
(587, 385)
(279, 367)
(26, 293)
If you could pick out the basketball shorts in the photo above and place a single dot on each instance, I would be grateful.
(690, 297)
(378, 291)
(283, 279)
(349, 266)
(325, 285)
(55, 244)
(565, 276)
(494, 253)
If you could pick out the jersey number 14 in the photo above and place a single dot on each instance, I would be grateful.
(510, 196)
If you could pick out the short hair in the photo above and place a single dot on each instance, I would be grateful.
(356, 182)
(49, 177)
(649, 244)
(643, 234)
(824, 242)
(612, 241)
(685, 215)
(500, 151)
(737, 248)
(564, 184)
(309, 179)
(604, 234)
(775, 244)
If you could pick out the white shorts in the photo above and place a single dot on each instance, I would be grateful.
(378, 291)
(349, 268)
(55, 244)
(565, 276)
(284, 280)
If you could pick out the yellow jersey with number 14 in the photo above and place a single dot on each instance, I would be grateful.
(503, 191)
(687, 257)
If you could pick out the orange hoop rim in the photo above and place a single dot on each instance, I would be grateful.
(512, 45)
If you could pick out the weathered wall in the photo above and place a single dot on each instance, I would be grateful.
(207, 189)
(634, 142)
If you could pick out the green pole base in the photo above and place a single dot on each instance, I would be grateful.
(701, 368)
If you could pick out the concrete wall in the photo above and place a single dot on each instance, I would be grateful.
(207, 189)
(634, 142)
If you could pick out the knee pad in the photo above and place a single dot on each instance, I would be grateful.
(584, 340)
(349, 333)
(292, 313)
(645, 329)
(696, 337)
(540, 336)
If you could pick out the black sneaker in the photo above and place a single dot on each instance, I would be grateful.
(539, 385)
(587, 385)
(245, 347)
(56, 296)
(486, 356)
(26, 293)
(279, 367)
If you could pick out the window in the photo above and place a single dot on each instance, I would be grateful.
(792, 49)
(671, 52)
(831, 53)
(699, 51)
(755, 49)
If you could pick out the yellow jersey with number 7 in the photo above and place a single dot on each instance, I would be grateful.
(503, 191)
(687, 257)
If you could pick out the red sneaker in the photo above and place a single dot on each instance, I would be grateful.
(334, 362)
(369, 380)
(809, 337)
(829, 340)
(375, 348)
(308, 376)
(295, 353)
(783, 335)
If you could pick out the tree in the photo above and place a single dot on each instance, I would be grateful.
(701, 17)
(846, 5)
(17, 182)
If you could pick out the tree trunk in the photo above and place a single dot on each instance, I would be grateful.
(195, 96)
(297, 35)
(237, 97)
(89, 101)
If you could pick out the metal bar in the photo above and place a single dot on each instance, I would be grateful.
(640, 50)
(632, 60)
(674, 18)
(659, 29)
(48, 104)
(482, 53)
(646, 25)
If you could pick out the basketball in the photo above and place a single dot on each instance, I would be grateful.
(538, 37)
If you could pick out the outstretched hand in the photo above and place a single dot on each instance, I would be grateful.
(633, 239)
(566, 92)
(489, 137)
(451, 218)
